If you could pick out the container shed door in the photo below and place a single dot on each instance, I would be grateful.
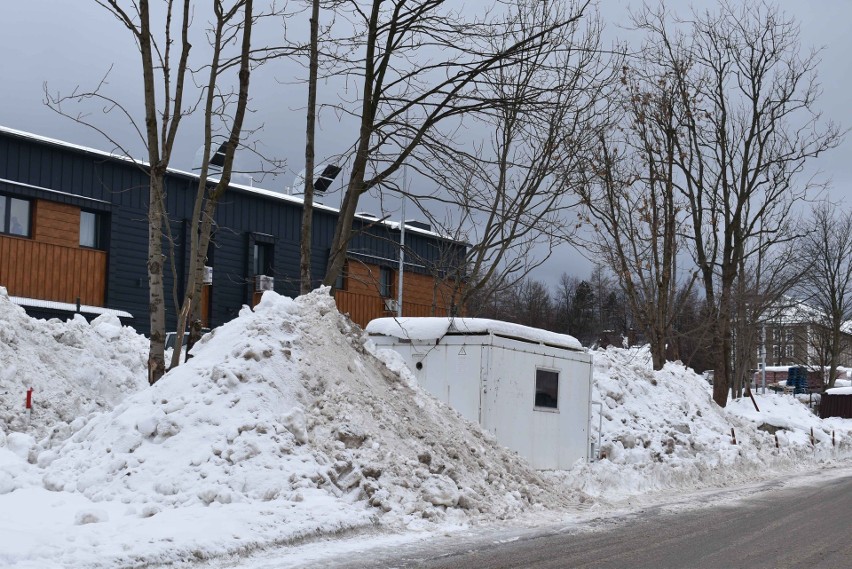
(462, 383)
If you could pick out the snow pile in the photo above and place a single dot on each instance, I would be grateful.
(288, 424)
(282, 425)
(660, 430)
(75, 368)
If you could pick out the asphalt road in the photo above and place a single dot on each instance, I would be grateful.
(798, 527)
(799, 521)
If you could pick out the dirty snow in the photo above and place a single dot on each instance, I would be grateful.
(281, 427)
(286, 426)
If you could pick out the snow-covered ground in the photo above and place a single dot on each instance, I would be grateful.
(288, 425)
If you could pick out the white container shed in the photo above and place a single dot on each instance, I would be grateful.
(529, 387)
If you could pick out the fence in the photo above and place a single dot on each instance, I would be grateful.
(835, 406)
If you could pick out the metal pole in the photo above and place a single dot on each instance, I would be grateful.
(402, 237)
(763, 359)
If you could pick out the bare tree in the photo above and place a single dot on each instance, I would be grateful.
(824, 266)
(563, 298)
(307, 209)
(511, 194)
(692, 341)
(761, 288)
(161, 128)
(747, 93)
(630, 202)
(163, 34)
(423, 66)
(222, 110)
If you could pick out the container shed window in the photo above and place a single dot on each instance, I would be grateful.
(14, 216)
(546, 388)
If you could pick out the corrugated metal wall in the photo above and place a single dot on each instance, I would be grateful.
(122, 188)
(835, 406)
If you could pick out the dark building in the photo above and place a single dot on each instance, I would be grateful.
(74, 237)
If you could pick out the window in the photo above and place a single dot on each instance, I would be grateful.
(343, 277)
(776, 335)
(789, 335)
(386, 282)
(546, 388)
(788, 351)
(14, 216)
(90, 230)
(776, 353)
(263, 257)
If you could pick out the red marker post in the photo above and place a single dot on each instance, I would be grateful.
(29, 405)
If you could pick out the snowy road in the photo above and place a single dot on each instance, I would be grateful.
(802, 527)
(802, 521)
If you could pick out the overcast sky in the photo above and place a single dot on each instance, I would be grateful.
(68, 43)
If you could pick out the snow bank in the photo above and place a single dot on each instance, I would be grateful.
(288, 424)
(282, 426)
(661, 430)
(75, 368)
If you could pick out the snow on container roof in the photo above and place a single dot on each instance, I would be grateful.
(839, 391)
(435, 328)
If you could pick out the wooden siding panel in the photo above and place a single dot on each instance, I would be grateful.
(51, 272)
(362, 302)
(362, 278)
(56, 223)
(125, 186)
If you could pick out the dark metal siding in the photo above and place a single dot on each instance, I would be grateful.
(240, 215)
(835, 406)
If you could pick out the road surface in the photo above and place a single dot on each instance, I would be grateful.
(802, 527)
(803, 521)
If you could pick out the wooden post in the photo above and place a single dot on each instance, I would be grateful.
(812, 437)
(776, 441)
(733, 436)
(750, 394)
(832, 438)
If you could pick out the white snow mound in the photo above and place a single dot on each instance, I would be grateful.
(74, 368)
(285, 402)
(661, 430)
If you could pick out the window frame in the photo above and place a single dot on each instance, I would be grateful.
(6, 221)
(537, 403)
(342, 280)
(386, 282)
(268, 266)
(99, 240)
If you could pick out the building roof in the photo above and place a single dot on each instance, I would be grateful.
(435, 328)
(410, 226)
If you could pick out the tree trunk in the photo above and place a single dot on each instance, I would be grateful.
(156, 301)
(307, 211)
